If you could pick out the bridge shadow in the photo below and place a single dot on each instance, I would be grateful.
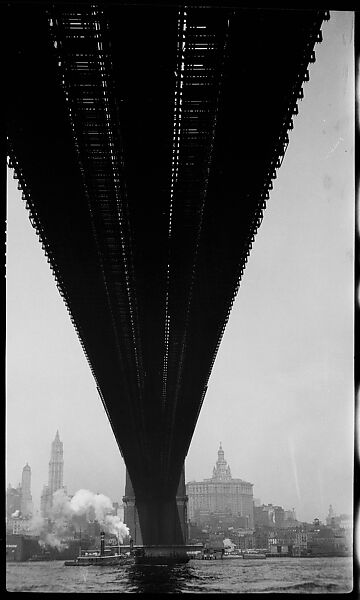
(160, 579)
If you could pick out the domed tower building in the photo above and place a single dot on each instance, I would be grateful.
(221, 496)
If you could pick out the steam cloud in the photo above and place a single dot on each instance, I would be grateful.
(79, 509)
(38, 527)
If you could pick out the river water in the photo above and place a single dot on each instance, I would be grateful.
(298, 575)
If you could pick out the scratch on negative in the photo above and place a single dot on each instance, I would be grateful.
(341, 139)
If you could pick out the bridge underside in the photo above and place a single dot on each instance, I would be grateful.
(145, 140)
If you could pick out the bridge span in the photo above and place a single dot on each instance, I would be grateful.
(145, 139)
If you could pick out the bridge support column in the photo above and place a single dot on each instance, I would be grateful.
(157, 523)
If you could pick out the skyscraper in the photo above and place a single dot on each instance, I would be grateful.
(26, 499)
(56, 473)
(56, 465)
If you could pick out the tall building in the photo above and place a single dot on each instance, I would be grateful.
(56, 465)
(13, 500)
(26, 499)
(19, 500)
(221, 496)
(56, 473)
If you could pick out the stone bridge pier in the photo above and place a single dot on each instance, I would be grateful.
(158, 524)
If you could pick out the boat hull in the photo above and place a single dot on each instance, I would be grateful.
(161, 555)
(87, 561)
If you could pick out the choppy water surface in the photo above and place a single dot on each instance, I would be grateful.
(298, 575)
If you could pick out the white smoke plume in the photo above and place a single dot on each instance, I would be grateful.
(38, 526)
(16, 513)
(91, 506)
(51, 539)
(84, 506)
(113, 524)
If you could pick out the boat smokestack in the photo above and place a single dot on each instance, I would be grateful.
(102, 543)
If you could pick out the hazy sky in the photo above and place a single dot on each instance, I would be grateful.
(280, 396)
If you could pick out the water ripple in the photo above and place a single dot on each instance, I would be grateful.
(287, 575)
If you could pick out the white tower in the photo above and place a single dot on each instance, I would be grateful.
(221, 471)
(26, 499)
(56, 474)
(56, 465)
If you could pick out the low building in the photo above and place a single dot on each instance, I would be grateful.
(261, 537)
(18, 525)
(300, 547)
(20, 548)
(245, 541)
(342, 521)
(269, 515)
(327, 542)
(280, 549)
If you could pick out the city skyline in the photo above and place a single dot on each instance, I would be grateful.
(221, 472)
(280, 396)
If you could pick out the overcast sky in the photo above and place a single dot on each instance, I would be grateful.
(280, 397)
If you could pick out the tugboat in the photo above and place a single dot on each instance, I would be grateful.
(232, 555)
(99, 557)
(40, 557)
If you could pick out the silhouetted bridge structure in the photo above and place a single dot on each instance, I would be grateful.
(145, 140)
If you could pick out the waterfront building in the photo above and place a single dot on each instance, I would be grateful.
(261, 537)
(221, 497)
(20, 548)
(56, 473)
(245, 541)
(26, 507)
(302, 539)
(326, 541)
(342, 521)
